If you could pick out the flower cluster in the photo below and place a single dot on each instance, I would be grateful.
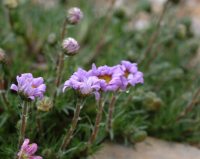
(29, 87)
(27, 151)
(84, 83)
(105, 78)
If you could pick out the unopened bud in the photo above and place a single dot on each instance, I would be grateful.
(52, 39)
(11, 3)
(152, 102)
(74, 15)
(139, 136)
(48, 153)
(44, 104)
(181, 31)
(70, 46)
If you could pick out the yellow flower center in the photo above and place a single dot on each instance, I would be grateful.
(107, 78)
(33, 86)
(126, 73)
(23, 156)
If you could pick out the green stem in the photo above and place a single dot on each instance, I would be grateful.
(154, 36)
(5, 100)
(60, 64)
(69, 134)
(110, 113)
(101, 41)
(39, 123)
(23, 122)
(64, 30)
(190, 106)
(97, 122)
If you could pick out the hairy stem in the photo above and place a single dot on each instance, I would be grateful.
(10, 19)
(155, 34)
(39, 123)
(110, 112)
(101, 41)
(23, 122)
(69, 134)
(97, 122)
(64, 30)
(60, 63)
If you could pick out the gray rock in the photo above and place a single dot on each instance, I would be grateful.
(149, 149)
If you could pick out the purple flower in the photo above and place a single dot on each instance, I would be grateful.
(74, 15)
(27, 151)
(110, 77)
(131, 74)
(29, 87)
(83, 83)
(70, 46)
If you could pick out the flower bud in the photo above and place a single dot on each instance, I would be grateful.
(11, 3)
(181, 31)
(44, 104)
(70, 46)
(152, 102)
(139, 136)
(74, 15)
(52, 39)
(2, 55)
(48, 153)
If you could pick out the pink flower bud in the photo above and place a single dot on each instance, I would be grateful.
(74, 15)
(70, 46)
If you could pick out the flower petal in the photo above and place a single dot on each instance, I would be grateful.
(14, 87)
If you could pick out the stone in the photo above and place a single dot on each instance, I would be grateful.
(151, 148)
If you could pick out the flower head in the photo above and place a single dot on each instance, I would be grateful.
(74, 15)
(110, 77)
(11, 3)
(29, 87)
(27, 151)
(131, 74)
(70, 46)
(45, 104)
(82, 82)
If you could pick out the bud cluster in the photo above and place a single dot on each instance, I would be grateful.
(70, 45)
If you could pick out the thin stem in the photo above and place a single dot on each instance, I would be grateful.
(64, 30)
(190, 106)
(101, 41)
(97, 122)
(60, 63)
(155, 34)
(59, 69)
(69, 134)
(10, 19)
(39, 123)
(23, 122)
(5, 100)
(110, 113)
